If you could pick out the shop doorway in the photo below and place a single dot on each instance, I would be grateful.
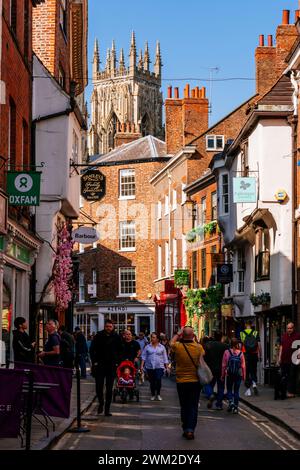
(143, 324)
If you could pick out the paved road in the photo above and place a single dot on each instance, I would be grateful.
(156, 426)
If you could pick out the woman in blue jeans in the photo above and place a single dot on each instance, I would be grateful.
(155, 359)
(234, 369)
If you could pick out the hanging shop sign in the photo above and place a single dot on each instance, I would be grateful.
(93, 185)
(227, 310)
(23, 188)
(224, 273)
(244, 190)
(280, 195)
(85, 235)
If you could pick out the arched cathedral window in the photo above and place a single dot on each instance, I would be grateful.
(111, 132)
(145, 125)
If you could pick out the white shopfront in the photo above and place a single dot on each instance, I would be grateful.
(135, 317)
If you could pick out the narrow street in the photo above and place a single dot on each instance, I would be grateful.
(156, 425)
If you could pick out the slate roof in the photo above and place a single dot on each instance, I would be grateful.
(147, 148)
(280, 94)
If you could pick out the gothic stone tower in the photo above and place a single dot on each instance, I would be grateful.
(126, 102)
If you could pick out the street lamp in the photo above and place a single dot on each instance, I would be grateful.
(192, 208)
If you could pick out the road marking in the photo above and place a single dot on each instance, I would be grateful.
(268, 431)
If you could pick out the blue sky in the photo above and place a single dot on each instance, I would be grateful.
(195, 36)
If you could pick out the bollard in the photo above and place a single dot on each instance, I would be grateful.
(78, 428)
(29, 410)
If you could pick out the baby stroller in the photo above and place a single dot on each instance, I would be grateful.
(125, 384)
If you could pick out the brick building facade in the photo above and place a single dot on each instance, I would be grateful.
(120, 265)
(18, 245)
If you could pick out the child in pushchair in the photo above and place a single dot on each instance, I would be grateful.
(125, 384)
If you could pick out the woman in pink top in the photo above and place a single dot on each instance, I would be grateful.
(234, 369)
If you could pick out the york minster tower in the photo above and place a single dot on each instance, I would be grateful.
(126, 101)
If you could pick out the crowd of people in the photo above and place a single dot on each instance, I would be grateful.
(229, 361)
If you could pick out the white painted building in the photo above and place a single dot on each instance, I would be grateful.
(58, 125)
(258, 235)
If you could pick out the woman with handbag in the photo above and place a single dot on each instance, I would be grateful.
(189, 355)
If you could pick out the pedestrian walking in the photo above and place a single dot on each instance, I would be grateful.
(105, 354)
(51, 354)
(155, 359)
(288, 369)
(252, 351)
(131, 349)
(22, 346)
(234, 370)
(214, 352)
(187, 355)
(81, 351)
(67, 347)
(142, 340)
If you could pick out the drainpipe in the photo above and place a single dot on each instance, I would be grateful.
(294, 124)
(169, 223)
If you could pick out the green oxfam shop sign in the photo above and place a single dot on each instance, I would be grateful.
(23, 188)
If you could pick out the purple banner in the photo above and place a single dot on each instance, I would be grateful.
(11, 382)
(57, 399)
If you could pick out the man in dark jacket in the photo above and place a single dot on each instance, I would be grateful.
(105, 353)
(67, 346)
(81, 351)
(22, 346)
(214, 351)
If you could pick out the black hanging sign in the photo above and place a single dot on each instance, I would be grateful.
(93, 185)
(225, 273)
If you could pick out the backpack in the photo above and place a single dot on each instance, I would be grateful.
(250, 342)
(234, 365)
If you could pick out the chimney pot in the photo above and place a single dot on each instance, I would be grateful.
(261, 40)
(286, 17)
(187, 91)
(297, 15)
(203, 92)
(270, 40)
(193, 93)
(169, 92)
(176, 93)
(197, 92)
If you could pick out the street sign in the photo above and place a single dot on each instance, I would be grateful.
(93, 185)
(85, 235)
(23, 188)
(224, 273)
(244, 190)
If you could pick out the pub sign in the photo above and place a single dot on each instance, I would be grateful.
(93, 185)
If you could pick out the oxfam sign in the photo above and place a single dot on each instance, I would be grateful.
(23, 188)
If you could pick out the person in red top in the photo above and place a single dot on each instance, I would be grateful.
(288, 369)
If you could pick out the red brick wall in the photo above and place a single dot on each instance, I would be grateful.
(49, 41)
(16, 73)
(107, 258)
(185, 118)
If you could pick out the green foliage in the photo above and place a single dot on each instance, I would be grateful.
(181, 277)
(263, 299)
(201, 301)
(210, 228)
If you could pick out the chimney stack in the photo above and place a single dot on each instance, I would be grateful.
(186, 118)
(261, 40)
(286, 17)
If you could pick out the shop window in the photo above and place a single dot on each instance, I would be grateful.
(203, 268)
(241, 267)
(127, 236)
(81, 287)
(214, 204)
(195, 270)
(127, 282)
(122, 321)
(262, 254)
(225, 194)
(127, 184)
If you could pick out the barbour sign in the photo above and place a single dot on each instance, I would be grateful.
(23, 188)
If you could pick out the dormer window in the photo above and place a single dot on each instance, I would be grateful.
(214, 142)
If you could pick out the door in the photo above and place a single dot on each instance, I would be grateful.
(143, 324)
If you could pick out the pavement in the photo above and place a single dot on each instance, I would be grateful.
(39, 439)
(154, 425)
(285, 413)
